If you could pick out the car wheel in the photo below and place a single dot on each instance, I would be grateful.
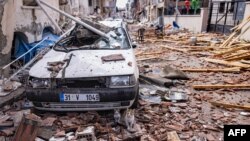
(135, 104)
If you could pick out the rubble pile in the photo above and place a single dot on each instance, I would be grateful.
(25, 125)
(8, 86)
(196, 115)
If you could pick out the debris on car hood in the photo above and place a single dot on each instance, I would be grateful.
(113, 57)
(90, 69)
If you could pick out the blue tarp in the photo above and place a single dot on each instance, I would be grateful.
(21, 47)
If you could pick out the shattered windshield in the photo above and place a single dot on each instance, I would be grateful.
(85, 39)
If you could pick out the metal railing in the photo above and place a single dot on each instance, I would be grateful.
(28, 64)
(224, 15)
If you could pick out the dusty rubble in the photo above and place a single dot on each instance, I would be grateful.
(198, 117)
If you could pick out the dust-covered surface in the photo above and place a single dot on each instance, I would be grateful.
(196, 117)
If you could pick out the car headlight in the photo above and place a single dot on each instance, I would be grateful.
(40, 83)
(116, 81)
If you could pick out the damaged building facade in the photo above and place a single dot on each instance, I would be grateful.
(212, 16)
(8, 21)
(25, 20)
(106, 8)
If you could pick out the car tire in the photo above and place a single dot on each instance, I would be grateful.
(135, 104)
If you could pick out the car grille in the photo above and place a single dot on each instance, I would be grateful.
(82, 83)
(82, 105)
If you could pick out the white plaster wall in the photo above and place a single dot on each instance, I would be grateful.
(26, 15)
(205, 17)
(84, 8)
(8, 25)
(246, 35)
(195, 23)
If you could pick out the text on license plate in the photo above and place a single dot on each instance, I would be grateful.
(79, 97)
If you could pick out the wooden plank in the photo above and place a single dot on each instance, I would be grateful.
(199, 47)
(242, 31)
(148, 58)
(245, 62)
(226, 70)
(226, 42)
(239, 53)
(151, 53)
(233, 50)
(227, 105)
(237, 30)
(245, 56)
(236, 86)
(176, 49)
(242, 24)
(227, 63)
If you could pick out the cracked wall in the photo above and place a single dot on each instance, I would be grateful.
(7, 20)
(31, 20)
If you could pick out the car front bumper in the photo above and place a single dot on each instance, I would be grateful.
(110, 98)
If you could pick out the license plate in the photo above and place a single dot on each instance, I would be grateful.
(79, 97)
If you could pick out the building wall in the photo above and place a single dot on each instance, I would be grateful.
(31, 20)
(8, 20)
(195, 23)
(83, 8)
(246, 35)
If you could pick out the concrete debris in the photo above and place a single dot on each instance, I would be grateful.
(38, 139)
(245, 113)
(7, 132)
(113, 57)
(4, 118)
(28, 128)
(55, 67)
(60, 134)
(86, 134)
(48, 121)
(11, 85)
(56, 63)
(157, 80)
(175, 96)
(172, 136)
(6, 124)
(171, 73)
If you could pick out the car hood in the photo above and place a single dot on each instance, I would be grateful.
(86, 63)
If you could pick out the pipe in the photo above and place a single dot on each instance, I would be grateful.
(67, 32)
(23, 54)
(77, 20)
(50, 18)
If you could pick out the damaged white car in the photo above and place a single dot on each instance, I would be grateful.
(86, 71)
